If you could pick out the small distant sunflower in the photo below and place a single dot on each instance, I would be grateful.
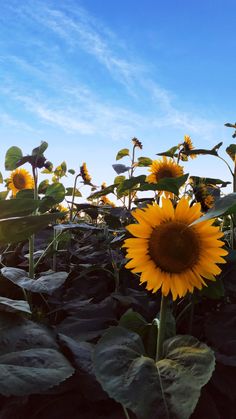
(106, 201)
(188, 146)
(20, 179)
(84, 173)
(171, 254)
(164, 168)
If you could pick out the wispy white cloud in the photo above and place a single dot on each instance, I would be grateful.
(74, 106)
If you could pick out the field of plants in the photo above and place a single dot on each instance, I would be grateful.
(122, 305)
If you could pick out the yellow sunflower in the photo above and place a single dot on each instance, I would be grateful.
(188, 146)
(164, 168)
(84, 173)
(209, 201)
(20, 179)
(106, 201)
(169, 252)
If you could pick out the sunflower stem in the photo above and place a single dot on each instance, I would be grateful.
(126, 412)
(31, 239)
(161, 328)
(73, 196)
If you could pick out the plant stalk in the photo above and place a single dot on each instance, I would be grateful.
(161, 328)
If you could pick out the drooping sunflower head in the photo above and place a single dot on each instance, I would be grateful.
(164, 168)
(170, 253)
(137, 143)
(20, 179)
(84, 173)
(106, 201)
(204, 194)
(188, 146)
(209, 201)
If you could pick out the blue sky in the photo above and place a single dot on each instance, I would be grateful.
(88, 75)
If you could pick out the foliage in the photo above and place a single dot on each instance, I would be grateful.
(78, 332)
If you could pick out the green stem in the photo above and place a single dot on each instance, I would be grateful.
(73, 197)
(161, 328)
(47, 248)
(126, 412)
(31, 239)
(131, 175)
(31, 256)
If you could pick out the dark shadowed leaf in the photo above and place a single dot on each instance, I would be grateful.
(14, 306)
(169, 388)
(223, 206)
(17, 207)
(231, 150)
(29, 360)
(120, 168)
(45, 284)
(38, 151)
(14, 230)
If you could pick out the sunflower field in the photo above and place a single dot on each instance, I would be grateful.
(120, 304)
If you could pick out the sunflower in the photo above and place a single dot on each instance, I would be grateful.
(164, 168)
(188, 146)
(106, 201)
(20, 179)
(209, 201)
(84, 173)
(171, 254)
(137, 143)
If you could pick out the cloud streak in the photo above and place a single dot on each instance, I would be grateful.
(67, 102)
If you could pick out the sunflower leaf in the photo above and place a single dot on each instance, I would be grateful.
(29, 358)
(122, 153)
(144, 161)
(168, 388)
(17, 229)
(13, 155)
(223, 206)
(56, 191)
(120, 168)
(231, 151)
(105, 191)
(165, 184)
(169, 153)
(17, 207)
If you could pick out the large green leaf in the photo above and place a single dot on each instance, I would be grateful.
(29, 358)
(56, 191)
(165, 184)
(169, 388)
(45, 284)
(17, 207)
(38, 151)
(14, 230)
(122, 153)
(13, 155)
(223, 206)
(128, 184)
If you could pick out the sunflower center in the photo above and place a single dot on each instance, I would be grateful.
(164, 172)
(174, 247)
(19, 181)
